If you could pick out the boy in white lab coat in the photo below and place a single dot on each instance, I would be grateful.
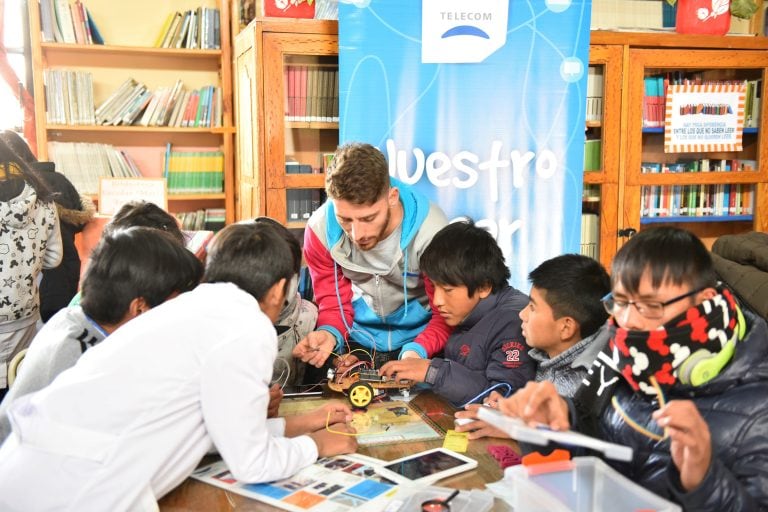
(134, 416)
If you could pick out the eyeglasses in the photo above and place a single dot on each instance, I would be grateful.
(650, 309)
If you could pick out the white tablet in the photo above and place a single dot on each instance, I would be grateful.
(426, 467)
(517, 429)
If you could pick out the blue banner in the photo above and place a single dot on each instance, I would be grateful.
(478, 104)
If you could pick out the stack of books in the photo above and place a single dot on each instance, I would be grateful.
(134, 103)
(194, 172)
(84, 163)
(65, 22)
(194, 29)
(68, 97)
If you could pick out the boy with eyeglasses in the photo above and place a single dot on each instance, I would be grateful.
(682, 381)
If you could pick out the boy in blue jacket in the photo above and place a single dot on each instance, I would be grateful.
(472, 295)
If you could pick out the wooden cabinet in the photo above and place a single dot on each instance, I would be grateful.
(285, 75)
(649, 195)
(129, 29)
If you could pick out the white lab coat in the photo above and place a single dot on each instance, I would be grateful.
(135, 415)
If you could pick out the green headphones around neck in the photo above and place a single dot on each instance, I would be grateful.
(703, 365)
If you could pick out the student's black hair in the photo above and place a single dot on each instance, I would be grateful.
(143, 213)
(135, 262)
(253, 256)
(462, 254)
(293, 242)
(672, 255)
(15, 169)
(573, 285)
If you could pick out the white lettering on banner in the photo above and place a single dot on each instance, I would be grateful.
(466, 16)
(438, 164)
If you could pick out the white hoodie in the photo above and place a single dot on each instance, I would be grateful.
(30, 241)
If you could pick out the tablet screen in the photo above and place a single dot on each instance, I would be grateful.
(425, 465)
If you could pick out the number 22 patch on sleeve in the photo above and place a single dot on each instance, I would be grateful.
(513, 352)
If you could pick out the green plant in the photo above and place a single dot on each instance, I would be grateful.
(739, 8)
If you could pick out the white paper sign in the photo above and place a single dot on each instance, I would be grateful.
(704, 117)
(115, 192)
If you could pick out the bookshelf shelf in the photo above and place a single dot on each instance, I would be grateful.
(312, 125)
(180, 197)
(595, 178)
(710, 218)
(194, 197)
(134, 129)
(129, 54)
(654, 129)
(695, 178)
(64, 54)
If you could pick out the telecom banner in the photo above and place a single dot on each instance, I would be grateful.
(480, 105)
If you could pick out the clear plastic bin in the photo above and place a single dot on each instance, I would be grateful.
(584, 484)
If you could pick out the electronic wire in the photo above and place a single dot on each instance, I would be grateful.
(488, 390)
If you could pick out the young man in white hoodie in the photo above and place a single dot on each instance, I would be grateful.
(134, 416)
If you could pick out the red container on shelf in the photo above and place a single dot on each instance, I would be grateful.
(289, 8)
(703, 16)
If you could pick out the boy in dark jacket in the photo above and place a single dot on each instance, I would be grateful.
(682, 380)
(487, 347)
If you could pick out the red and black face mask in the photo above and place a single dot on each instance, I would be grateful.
(659, 353)
(638, 356)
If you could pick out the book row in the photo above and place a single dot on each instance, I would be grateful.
(194, 29)
(209, 219)
(594, 94)
(84, 163)
(311, 93)
(655, 96)
(593, 154)
(194, 172)
(301, 203)
(68, 97)
(69, 101)
(697, 200)
(68, 22)
(699, 165)
(590, 235)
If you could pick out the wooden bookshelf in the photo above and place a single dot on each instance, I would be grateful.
(130, 34)
(262, 52)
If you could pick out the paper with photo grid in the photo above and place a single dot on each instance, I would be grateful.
(381, 422)
(333, 484)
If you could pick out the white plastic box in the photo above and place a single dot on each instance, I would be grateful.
(584, 484)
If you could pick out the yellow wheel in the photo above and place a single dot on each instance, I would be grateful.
(360, 394)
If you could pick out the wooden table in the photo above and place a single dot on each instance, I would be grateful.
(193, 495)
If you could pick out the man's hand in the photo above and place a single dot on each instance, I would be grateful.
(332, 412)
(275, 397)
(409, 354)
(344, 361)
(329, 443)
(411, 369)
(315, 348)
(690, 441)
(538, 403)
(476, 428)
